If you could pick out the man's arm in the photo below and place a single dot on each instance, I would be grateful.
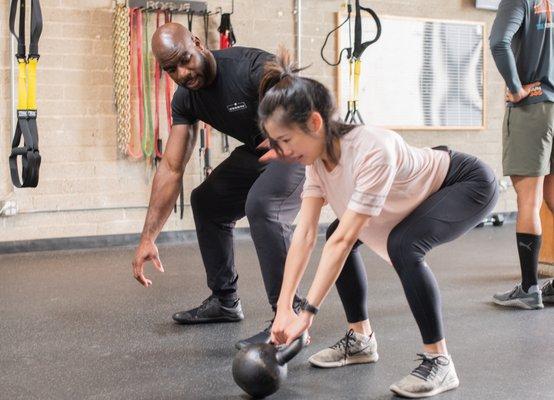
(165, 190)
(509, 18)
(168, 179)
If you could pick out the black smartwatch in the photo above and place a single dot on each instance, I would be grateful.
(305, 306)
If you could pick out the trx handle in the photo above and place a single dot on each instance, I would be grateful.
(30, 156)
(360, 47)
(26, 127)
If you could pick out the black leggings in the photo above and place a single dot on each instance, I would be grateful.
(468, 194)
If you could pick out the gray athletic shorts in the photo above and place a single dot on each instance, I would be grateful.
(527, 140)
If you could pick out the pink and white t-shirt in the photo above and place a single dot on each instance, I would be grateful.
(379, 175)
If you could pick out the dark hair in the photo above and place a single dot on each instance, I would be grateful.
(298, 97)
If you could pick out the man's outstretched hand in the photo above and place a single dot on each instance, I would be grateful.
(146, 251)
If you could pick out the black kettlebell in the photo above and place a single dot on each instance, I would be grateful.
(260, 369)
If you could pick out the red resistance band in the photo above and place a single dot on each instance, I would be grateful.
(157, 78)
(136, 20)
(226, 39)
(226, 35)
(136, 48)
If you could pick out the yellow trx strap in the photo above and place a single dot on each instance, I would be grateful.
(27, 102)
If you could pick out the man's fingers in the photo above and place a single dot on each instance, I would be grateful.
(264, 145)
(158, 264)
(270, 155)
(142, 280)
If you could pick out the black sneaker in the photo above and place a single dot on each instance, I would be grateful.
(260, 337)
(548, 292)
(211, 310)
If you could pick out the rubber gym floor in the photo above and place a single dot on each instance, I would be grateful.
(76, 325)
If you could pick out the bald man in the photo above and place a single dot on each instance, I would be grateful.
(220, 88)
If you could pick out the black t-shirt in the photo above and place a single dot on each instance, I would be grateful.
(230, 103)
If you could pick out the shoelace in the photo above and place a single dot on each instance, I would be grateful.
(429, 366)
(344, 342)
(205, 303)
(513, 292)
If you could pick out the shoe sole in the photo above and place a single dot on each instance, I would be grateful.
(207, 321)
(343, 363)
(518, 304)
(453, 385)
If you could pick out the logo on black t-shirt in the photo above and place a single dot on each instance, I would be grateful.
(544, 7)
(237, 107)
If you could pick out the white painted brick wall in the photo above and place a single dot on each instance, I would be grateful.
(81, 168)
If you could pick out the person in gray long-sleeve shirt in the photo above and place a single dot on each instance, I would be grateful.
(521, 45)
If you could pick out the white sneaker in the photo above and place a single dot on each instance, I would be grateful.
(435, 374)
(353, 348)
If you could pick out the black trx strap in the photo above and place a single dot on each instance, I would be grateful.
(205, 130)
(26, 107)
(348, 50)
(354, 55)
(190, 17)
(360, 47)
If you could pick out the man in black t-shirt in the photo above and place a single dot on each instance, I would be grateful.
(221, 89)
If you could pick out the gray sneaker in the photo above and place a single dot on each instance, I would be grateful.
(435, 374)
(517, 297)
(353, 348)
(548, 292)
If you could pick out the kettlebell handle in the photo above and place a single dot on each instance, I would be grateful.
(286, 354)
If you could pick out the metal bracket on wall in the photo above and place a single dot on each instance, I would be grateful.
(175, 6)
(219, 10)
(8, 208)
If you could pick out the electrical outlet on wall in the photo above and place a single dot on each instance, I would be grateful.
(8, 208)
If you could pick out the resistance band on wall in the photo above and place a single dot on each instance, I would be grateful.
(26, 105)
(148, 138)
(158, 74)
(205, 129)
(354, 56)
(148, 125)
(226, 39)
(122, 74)
(136, 50)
